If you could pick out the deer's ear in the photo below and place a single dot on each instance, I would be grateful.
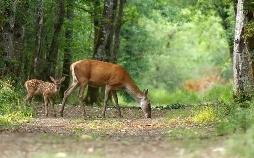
(145, 92)
(52, 79)
(62, 79)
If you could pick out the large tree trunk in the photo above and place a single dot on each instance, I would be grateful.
(117, 30)
(53, 50)
(68, 45)
(106, 43)
(35, 64)
(241, 58)
(105, 28)
(93, 95)
(7, 36)
(12, 37)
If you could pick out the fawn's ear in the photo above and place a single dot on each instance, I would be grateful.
(52, 79)
(62, 79)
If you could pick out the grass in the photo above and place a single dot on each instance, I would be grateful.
(242, 144)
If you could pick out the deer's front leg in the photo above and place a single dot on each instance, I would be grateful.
(46, 105)
(52, 105)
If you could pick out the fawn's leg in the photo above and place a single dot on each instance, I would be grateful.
(46, 105)
(52, 105)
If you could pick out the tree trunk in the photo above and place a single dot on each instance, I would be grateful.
(35, 64)
(68, 45)
(241, 58)
(93, 95)
(7, 37)
(53, 50)
(117, 30)
(103, 36)
(103, 43)
(12, 37)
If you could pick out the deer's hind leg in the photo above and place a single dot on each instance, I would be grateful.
(80, 96)
(107, 92)
(116, 101)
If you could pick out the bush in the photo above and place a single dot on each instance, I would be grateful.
(234, 118)
(161, 97)
(217, 93)
(242, 145)
(12, 111)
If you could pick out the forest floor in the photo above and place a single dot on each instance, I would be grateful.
(167, 134)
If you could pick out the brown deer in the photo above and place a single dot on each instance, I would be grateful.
(47, 89)
(98, 74)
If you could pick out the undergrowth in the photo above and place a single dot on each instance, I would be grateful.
(217, 93)
(12, 110)
(213, 110)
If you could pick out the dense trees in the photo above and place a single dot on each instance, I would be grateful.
(163, 43)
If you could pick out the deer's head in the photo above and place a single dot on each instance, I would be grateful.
(145, 104)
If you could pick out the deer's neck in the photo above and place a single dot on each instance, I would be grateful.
(133, 90)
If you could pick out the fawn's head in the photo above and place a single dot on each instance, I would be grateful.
(57, 82)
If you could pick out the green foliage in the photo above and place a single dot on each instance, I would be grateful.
(12, 112)
(162, 97)
(241, 145)
(234, 118)
(222, 93)
(239, 121)
(217, 93)
(249, 30)
(186, 51)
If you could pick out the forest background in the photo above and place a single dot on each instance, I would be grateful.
(166, 45)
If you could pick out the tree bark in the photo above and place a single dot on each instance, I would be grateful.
(12, 37)
(106, 40)
(93, 95)
(53, 50)
(103, 36)
(7, 37)
(35, 64)
(68, 46)
(241, 58)
(117, 30)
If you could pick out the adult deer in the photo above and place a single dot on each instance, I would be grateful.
(47, 89)
(98, 74)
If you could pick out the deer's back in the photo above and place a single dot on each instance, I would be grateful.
(99, 73)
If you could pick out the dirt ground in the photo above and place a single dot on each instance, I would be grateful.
(113, 137)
